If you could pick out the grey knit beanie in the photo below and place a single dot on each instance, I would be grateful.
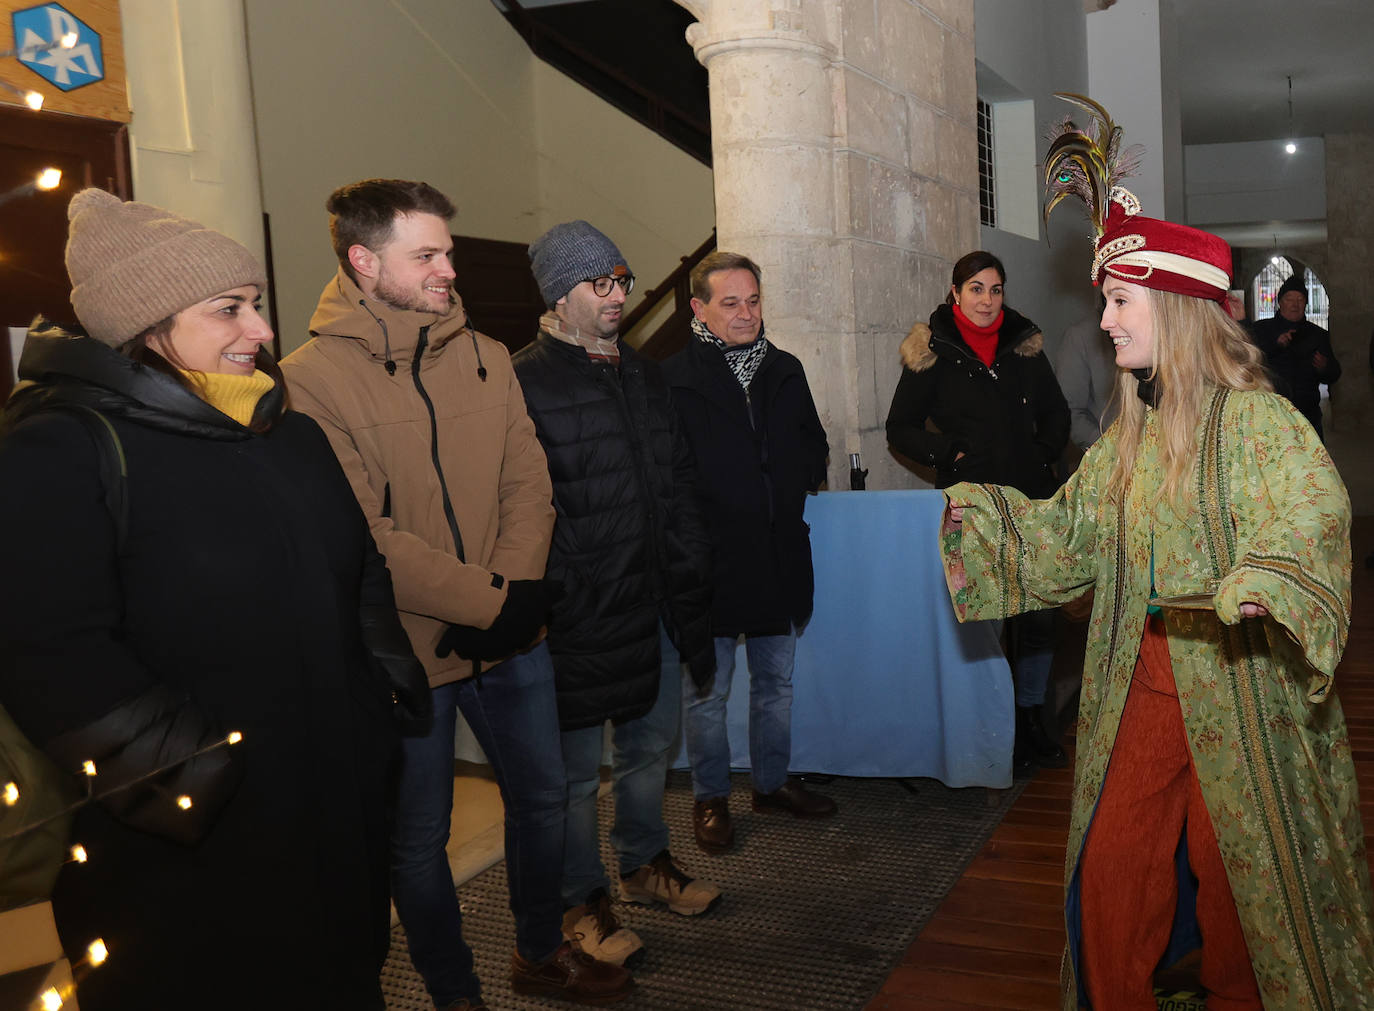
(133, 265)
(568, 254)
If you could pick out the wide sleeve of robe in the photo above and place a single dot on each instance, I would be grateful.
(1291, 519)
(1013, 554)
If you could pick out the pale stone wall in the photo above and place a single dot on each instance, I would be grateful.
(1349, 254)
(845, 164)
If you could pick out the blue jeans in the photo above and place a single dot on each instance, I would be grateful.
(641, 750)
(1030, 648)
(514, 716)
(770, 716)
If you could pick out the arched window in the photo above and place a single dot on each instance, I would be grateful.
(1270, 280)
(1267, 284)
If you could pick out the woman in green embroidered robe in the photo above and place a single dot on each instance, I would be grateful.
(1208, 486)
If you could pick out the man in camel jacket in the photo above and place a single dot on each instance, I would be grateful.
(427, 418)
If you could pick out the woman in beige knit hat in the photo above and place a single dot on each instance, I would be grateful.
(185, 559)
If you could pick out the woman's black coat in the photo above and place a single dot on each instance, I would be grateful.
(757, 457)
(629, 547)
(232, 602)
(1010, 420)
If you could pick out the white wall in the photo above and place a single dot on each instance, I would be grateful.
(1125, 57)
(447, 92)
(1256, 181)
(191, 136)
(1027, 51)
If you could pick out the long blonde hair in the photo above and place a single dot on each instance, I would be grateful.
(1197, 348)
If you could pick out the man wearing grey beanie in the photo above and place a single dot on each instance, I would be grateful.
(632, 553)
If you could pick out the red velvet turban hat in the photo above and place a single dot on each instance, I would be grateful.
(1160, 254)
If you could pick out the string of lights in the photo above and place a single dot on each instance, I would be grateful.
(53, 998)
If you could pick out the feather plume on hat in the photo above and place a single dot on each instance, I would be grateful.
(1148, 251)
(1087, 165)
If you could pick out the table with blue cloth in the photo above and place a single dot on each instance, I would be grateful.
(887, 682)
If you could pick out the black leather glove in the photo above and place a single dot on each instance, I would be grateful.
(389, 648)
(146, 733)
(524, 613)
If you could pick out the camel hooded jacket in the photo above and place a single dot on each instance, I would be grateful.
(429, 423)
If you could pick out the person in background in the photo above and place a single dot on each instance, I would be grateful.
(759, 449)
(633, 555)
(1086, 370)
(1235, 307)
(1297, 351)
(428, 421)
(236, 588)
(1214, 764)
(978, 371)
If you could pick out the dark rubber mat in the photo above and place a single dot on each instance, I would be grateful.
(814, 914)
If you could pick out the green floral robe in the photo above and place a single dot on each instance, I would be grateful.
(1267, 520)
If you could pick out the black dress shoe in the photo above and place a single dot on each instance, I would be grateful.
(571, 975)
(796, 800)
(711, 823)
(1034, 746)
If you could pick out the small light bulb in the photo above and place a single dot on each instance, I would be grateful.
(184, 802)
(34, 100)
(1290, 147)
(97, 951)
(88, 767)
(50, 179)
(52, 1000)
(11, 794)
(234, 737)
(79, 853)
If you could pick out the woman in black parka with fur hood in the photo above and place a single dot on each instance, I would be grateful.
(978, 373)
(241, 591)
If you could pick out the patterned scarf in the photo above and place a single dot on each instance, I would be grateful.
(744, 359)
(596, 347)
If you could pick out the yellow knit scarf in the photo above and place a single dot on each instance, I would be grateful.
(236, 396)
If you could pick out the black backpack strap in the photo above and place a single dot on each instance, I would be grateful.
(114, 467)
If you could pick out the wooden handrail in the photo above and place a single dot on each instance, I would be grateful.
(677, 283)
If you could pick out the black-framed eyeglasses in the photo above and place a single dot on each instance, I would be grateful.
(602, 285)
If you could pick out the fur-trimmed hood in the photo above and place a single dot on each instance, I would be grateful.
(1018, 335)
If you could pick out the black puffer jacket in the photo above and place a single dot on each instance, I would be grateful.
(232, 603)
(629, 545)
(757, 457)
(1010, 420)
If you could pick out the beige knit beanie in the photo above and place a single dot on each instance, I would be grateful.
(133, 265)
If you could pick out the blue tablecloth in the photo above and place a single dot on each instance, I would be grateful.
(887, 682)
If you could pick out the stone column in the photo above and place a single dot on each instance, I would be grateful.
(1349, 250)
(845, 164)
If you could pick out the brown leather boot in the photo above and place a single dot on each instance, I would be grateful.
(711, 822)
(571, 975)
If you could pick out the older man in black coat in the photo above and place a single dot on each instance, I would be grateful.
(1298, 352)
(759, 448)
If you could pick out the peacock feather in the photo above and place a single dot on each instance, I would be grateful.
(1087, 163)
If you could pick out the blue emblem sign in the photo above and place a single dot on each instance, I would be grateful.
(68, 67)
